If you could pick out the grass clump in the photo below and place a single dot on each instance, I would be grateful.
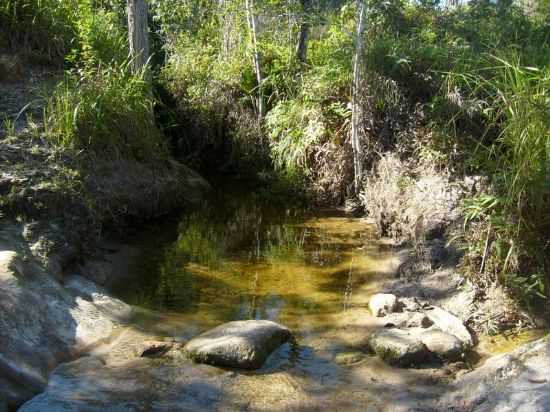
(104, 110)
(515, 153)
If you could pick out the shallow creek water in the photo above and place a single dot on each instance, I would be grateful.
(239, 257)
(242, 258)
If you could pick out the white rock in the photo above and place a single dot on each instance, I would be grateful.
(407, 320)
(383, 303)
(444, 345)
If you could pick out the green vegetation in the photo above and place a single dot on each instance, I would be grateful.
(43, 29)
(107, 110)
(462, 88)
(517, 107)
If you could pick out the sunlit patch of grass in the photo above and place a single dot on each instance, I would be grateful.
(104, 110)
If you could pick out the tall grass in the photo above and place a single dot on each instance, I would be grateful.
(517, 111)
(42, 28)
(523, 102)
(104, 110)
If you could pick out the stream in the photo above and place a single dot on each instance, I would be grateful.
(240, 257)
(237, 257)
(243, 257)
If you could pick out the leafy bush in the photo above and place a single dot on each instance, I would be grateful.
(99, 39)
(295, 127)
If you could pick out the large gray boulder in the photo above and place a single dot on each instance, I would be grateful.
(240, 344)
(518, 381)
(398, 347)
(43, 323)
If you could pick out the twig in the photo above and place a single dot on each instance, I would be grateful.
(487, 244)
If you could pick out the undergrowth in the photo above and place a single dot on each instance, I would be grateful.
(515, 242)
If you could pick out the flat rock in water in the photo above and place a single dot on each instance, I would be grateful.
(240, 344)
(383, 303)
(449, 323)
(442, 344)
(398, 347)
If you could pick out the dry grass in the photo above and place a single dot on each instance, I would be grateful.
(333, 173)
(409, 203)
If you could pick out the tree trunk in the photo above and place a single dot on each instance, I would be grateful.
(226, 24)
(301, 48)
(139, 36)
(355, 104)
(251, 17)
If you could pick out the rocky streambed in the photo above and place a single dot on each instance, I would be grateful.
(138, 326)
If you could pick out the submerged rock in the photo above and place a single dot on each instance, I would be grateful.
(153, 348)
(398, 347)
(87, 384)
(383, 303)
(349, 358)
(239, 344)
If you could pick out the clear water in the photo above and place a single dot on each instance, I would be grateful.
(240, 257)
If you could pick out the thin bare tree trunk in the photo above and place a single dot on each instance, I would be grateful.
(301, 48)
(251, 17)
(355, 105)
(138, 36)
(226, 24)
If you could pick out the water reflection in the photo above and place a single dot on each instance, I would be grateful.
(241, 258)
